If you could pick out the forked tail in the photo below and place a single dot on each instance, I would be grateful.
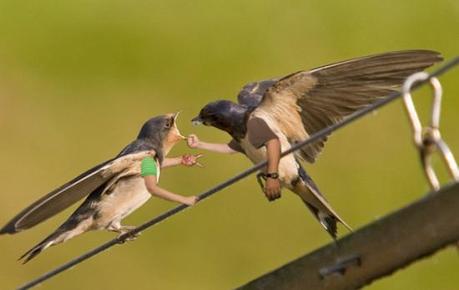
(40, 247)
(319, 206)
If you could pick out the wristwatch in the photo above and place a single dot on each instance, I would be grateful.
(273, 175)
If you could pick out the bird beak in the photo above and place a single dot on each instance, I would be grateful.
(176, 115)
(178, 134)
(175, 121)
(196, 121)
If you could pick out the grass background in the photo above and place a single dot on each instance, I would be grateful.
(78, 78)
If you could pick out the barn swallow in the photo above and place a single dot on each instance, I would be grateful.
(114, 189)
(305, 102)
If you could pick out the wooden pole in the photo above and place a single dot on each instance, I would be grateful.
(374, 251)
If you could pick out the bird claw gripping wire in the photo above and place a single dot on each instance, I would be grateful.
(428, 139)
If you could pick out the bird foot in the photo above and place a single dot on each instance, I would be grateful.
(126, 229)
(128, 239)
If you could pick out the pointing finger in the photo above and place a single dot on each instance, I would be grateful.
(199, 155)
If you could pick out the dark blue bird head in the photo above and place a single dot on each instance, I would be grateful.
(224, 115)
(158, 133)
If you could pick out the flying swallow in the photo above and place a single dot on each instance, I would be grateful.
(305, 102)
(114, 189)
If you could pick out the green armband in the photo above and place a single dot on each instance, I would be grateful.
(148, 167)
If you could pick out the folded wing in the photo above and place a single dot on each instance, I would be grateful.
(305, 102)
(252, 93)
(71, 192)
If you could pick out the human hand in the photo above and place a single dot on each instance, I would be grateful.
(193, 141)
(190, 200)
(272, 189)
(190, 160)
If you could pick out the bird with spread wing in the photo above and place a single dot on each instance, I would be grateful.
(114, 188)
(272, 115)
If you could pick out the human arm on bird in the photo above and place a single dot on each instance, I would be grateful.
(154, 189)
(185, 160)
(150, 173)
(194, 142)
(273, 152)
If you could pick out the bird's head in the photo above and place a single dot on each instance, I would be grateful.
(224, 115)
(162, 131)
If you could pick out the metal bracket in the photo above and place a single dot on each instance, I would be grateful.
(428, 139)
(341, 266)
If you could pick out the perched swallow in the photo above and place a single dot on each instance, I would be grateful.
(303, 103)
(115, 189)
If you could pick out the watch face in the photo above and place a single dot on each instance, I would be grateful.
(272, 175)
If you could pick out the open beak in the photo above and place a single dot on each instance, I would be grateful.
(196, 121)
(179, 135)
(176, 115)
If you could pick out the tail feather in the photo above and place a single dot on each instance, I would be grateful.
(30, 254)
(327, 221)
(79, 222)
(318, 205)
(40, 247)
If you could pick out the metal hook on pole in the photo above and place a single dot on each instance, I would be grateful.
(428, 139)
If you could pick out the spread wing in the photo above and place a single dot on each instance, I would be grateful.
(71, 192)
(305, 102)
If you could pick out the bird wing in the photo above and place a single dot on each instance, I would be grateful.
(74, 190)
(306, 102)
(252, 93)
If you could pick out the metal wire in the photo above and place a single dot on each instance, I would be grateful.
(313, 138)
(428, 139)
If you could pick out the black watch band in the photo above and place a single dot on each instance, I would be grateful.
(273, 175)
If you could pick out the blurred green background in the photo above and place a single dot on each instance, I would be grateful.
(79, 78)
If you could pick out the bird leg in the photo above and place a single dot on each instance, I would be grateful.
(121, 230)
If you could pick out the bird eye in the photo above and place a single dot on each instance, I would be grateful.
(169, 123)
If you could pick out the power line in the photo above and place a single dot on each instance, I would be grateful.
(315, 137)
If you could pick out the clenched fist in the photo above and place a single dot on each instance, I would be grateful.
(193, 141)
(272, 189)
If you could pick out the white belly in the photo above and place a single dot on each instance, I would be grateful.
(129, 194)
(288, 167)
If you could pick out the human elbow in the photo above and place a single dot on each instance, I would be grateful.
(152, 189)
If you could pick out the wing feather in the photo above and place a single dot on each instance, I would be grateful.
(313, 100)
(71, 192)
(252, 93)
